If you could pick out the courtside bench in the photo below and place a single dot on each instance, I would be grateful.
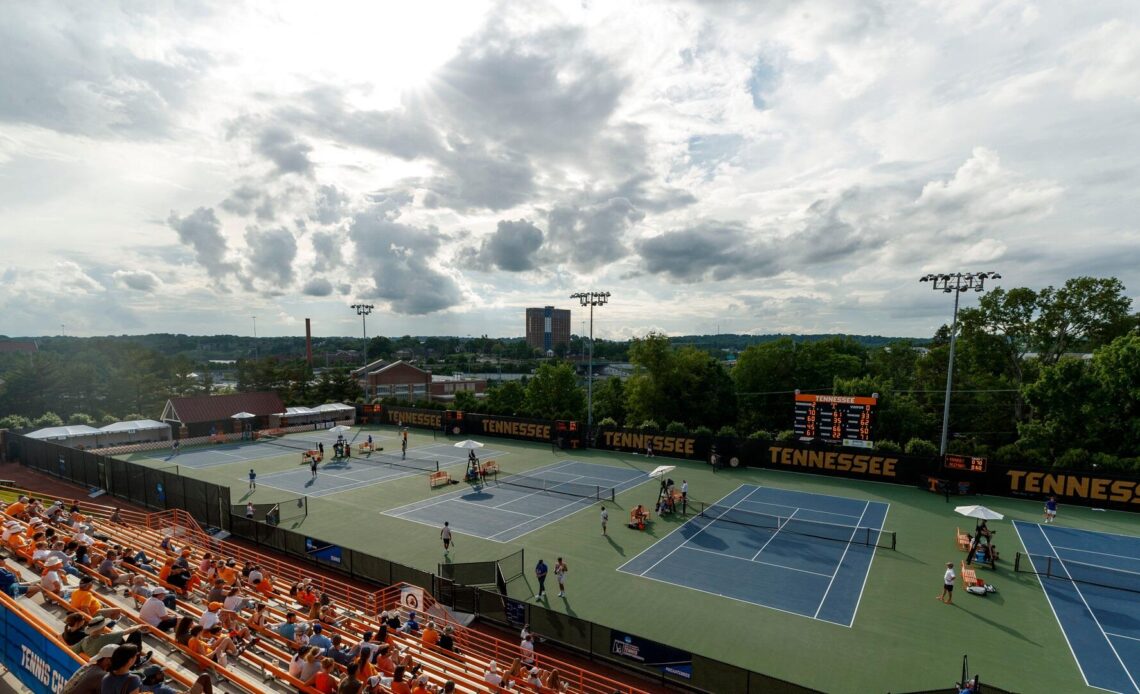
(439, 478)
(963, 541)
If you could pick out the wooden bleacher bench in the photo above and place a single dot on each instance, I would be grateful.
(964, 541)
(436, 479)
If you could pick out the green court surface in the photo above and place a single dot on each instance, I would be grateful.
(902, 638)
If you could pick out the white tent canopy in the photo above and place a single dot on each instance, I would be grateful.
(297, 411)
(134, 425)
(333, 407)
(64, 432)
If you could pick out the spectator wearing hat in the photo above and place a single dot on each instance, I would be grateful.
(154, 680)
(447, 639)
(119, 678)
(89, 678)
(491, 675)
(83, 599)
(53, 579)
(411, 626)
(88, 636)
(155, 613)
(210, 615)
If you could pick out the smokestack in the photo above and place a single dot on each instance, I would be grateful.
(308, 343)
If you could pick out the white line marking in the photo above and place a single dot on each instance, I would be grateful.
(1096, 621)
(754, 561)
(707, 526)
(1049, 599)
(797, 508)
(841, 558)
(1122, 636)
(497, 508)
(867, 573)
(1103, 554)
(774, 534)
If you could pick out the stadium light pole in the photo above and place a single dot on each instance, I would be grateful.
(363, 310)
(591, 299)
(955, 284)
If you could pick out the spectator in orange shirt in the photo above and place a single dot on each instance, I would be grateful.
(17, 508)
(212, 645)
(325, 682)
(431, 635)
(229, 573)
(399, 686)
(82, 599)
(421, 685)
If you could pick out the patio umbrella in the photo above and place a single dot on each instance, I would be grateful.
(469, 444)
(979, 512)
(662, 471)
(340, 429)
(243, 415)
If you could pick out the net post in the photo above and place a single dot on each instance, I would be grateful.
(1017, 562)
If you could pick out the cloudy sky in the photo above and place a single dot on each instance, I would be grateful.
(748, 166)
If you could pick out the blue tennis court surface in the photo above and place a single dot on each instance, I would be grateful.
(503, 513)
(207, 456)
(780, 566)
(1098, 611)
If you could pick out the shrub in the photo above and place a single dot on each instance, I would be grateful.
(649, 425)
(702, 431)
(727, 432)
(48, 419)
(1074, 459)
(786, 435)
(607, 422)
(107, 419)
(888, 446)
(920, 446)
(15, 421)
(760, 435)
(676, 428)
(80, 418)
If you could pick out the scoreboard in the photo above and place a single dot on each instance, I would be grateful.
(964, 462)
(836, 419)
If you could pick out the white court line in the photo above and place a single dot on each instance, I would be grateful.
(698, 532)
(416, 505)
(536, 492)
(1103, 554)
(798, 508)
(1096, 621)
(576, 502)
(1122, 636)
(841, 558)
(754, 561)
(774, 534)
(1049, 599)
(504, 510)
(867, 573)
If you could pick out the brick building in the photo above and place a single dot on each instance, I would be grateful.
(547, 327)
(397, 380)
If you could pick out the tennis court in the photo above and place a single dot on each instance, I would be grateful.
(213, 455)
(510, 506)
(798, 552)
(1091, 580)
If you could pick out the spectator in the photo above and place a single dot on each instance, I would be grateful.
(430, 636)
(325, 682)
(526, 649)
(154, 681)
(83, 599)
(319, 640)
(89, 678)
(119, 678)
(447, 639)
(491, 675)
(411, 626)
(155, 613)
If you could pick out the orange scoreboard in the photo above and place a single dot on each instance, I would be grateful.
(836, 419)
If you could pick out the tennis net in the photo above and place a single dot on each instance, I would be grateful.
(585, 491)
(1078, 572)
(395, 460)
(852, 534)
(297, 444)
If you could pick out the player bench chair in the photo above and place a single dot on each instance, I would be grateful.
(964, 541)
(439, 478)
(969, 578)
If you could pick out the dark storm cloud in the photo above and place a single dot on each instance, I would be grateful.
(398, 256)
(709, 251)
(317, 286)
(513, 247)
(242, 200)
(66, 68)
(201, 231)
(282, 147)
(326, 247)
(591, 235)
(330, 205)
(273, 251)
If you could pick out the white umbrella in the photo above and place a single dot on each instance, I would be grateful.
(980, 512)
(469, 444)
(340, 429)
(243, 415)
(662, 471)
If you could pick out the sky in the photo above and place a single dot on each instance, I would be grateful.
(745, 167)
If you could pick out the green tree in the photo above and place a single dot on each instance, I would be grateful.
(507, 399)
(78, 418)
(554, 393)
(609, 399)
(1086, 313)
(685, 385)
(465, 401)
(48, 419)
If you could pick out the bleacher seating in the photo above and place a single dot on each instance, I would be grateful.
(263, 654)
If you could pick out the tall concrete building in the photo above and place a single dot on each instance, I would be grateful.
(547, 327)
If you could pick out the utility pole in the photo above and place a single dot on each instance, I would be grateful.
(256, 353)
(591, 299)
(363, 310)
(955, 284)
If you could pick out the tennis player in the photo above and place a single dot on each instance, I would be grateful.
(445, 535)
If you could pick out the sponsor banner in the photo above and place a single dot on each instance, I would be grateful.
(870, 465)
(476, 425)
(670, 445)
(1069, 486)
(319, 549)
(33, 658)
(413, 417)
(666, 659)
